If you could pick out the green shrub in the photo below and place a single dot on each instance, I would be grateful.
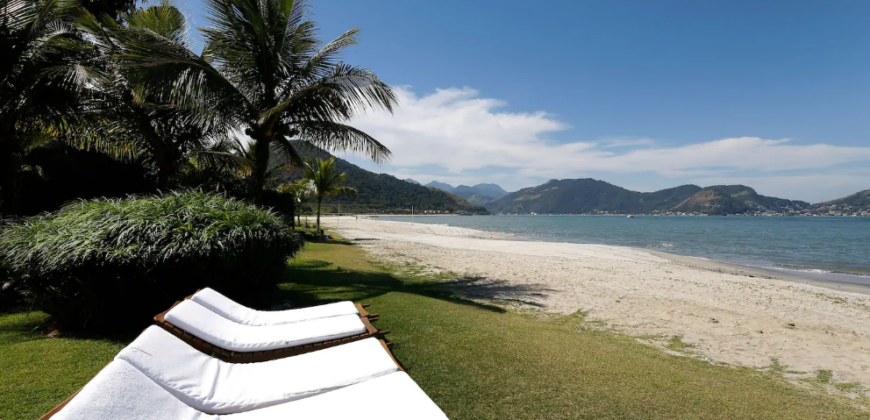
(114, 263)
(11, 297)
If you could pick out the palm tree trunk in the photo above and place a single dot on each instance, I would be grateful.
(319, 203)
(261, 166)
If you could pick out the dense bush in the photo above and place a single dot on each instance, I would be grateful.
(118, 262)
(11, 296)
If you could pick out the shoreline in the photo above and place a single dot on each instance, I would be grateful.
(723, 312)
(757, 272)
(849, 282)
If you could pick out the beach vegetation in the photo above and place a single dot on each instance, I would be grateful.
(824, 376)
(115, 263)
(676, 343)
(326, 181)
(264, 69)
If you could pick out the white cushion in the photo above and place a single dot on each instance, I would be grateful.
(120, 392)
(241, 314)
(213, 386)
(389, 397)
(215, 329)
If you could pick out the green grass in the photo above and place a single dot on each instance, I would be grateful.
(37, 373)
(475, 361)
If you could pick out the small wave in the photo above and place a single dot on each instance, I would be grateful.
(819, 271)
(667, 245)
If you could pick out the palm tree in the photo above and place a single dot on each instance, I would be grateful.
(128, 125)
(262, 70)
(299, 193)
(34, 106)
(326, 181)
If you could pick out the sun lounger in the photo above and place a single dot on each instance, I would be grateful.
(215, 335)
(217, 387)
(241, 314)
(122, 392)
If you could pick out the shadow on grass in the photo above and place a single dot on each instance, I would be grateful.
(311, 282)
(23, 325)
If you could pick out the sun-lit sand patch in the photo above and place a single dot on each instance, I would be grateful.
(721, 313)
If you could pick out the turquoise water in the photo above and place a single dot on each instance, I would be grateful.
(830, 248)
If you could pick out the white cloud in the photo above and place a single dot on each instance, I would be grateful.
(627, 142)
(466, 134)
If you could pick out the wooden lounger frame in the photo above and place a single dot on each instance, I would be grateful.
(262, 356)
(60, 406)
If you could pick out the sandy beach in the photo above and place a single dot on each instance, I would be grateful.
(725, 313)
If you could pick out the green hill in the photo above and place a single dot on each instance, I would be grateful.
(382, 193)
(855, 203)
(571, 196)
(736, 199)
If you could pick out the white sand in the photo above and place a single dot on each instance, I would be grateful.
(726, 315)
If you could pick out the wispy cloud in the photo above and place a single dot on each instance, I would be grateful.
(610, 143)
(459, 131)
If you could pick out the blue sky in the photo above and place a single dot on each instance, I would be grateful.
(643, 94)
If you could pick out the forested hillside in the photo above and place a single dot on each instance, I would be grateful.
(382, 193)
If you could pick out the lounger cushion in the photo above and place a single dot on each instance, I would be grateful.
(390, 397)
(219, 331)
(213, 386)
(120, 392)
(241, 314)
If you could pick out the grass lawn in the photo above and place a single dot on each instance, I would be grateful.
(475, 361)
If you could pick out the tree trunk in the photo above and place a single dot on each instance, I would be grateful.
(261, 165)
(319, 202)
(292, 213)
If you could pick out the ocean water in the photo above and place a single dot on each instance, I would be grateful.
(824, 248)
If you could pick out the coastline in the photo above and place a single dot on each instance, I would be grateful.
(758, 272)
(723, 312)
(853, 281)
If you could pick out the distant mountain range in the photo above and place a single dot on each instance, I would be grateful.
(479, 194)
(382, 193)
(574, 196)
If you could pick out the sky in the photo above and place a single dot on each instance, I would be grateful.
(643, 94)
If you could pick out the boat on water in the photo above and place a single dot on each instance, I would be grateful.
(629, 217)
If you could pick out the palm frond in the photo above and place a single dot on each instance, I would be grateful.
(335, 137)
(342, 94)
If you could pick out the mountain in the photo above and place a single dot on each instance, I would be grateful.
(472, 195)
(412, 181)
(441, 186)
(858, 203)
(479, 194)
(490, 190)
(736, 199)
(571, 196)
(382, 193)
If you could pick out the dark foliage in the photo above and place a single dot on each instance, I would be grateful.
(115, 263)
(70, 174)
(112, 8)
(11, 295)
